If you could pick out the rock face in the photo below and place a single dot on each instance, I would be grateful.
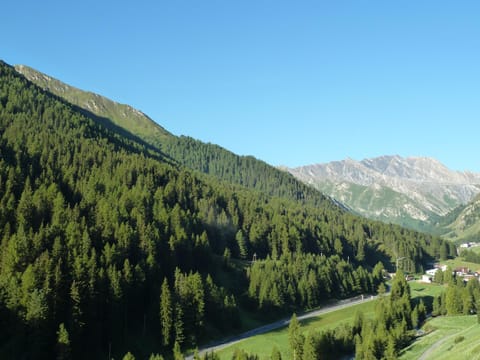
(412, 191)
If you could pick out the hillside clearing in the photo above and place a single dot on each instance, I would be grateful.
(450, 337)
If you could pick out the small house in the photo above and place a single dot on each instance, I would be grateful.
(426, 279)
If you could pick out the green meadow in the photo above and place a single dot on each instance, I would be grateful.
(459, 262)
(263, 344)
(448, 337)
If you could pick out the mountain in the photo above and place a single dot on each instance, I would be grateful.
(108, 246)
(413, 191)
(196, 155)
(124, 116)
(463, 223)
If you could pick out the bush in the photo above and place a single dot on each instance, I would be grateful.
(459, 339)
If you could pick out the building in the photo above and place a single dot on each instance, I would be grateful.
(426, 279)
(462, 271)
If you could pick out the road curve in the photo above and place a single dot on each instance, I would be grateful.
(341, 304)
(432, 348)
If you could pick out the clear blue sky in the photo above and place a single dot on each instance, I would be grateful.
(289, 82)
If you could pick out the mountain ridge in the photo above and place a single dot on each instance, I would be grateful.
(206, 158)
(400, 190)
(122, 115)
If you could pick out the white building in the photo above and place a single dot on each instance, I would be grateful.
(431, 272)
(426, 278)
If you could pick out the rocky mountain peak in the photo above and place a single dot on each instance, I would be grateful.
(393, 188)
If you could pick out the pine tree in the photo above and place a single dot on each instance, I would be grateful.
(400, 287)
(448, 277)
(444, 251)
(275, 354)
(438, 277)
(390, 351)
(436, 307)
(166, 312)
(309, 348)
(295, 338)
(414, 317)
(178, 325)
(196, 355)
(63, 348)
(453, 304)
(177, 352)
(422, 312)
(242, 244)
(358, 322)
(128, 356)
(155, 357)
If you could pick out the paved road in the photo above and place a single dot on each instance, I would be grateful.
(341, 304)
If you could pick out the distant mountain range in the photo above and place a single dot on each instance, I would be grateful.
(414, 191)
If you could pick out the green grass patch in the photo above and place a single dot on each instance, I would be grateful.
(459, 262)
(475, 249)
(419, 289)
(452, 337)
(262, 345)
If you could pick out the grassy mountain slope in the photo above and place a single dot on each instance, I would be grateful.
(463, 224)
(121, 115)
(380, 203)
(204, 157)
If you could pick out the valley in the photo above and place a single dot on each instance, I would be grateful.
(118, 236)
(239, 180)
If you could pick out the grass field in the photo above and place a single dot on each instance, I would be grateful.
(453, 337)
(474, 249)
(419, 289)
(262, 345)
(458, 262)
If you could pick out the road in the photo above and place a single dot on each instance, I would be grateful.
(341, 304)
(432, 348)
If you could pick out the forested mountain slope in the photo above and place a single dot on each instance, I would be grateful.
(208, 158)
(106, 246)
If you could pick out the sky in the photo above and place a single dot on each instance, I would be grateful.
(289, 82)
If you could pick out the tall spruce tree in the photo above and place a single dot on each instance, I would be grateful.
(295, 338)
(166, 313)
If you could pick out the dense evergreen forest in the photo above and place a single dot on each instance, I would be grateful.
(106, 246)
(381, 336)
(243, 170)
(183, 150)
